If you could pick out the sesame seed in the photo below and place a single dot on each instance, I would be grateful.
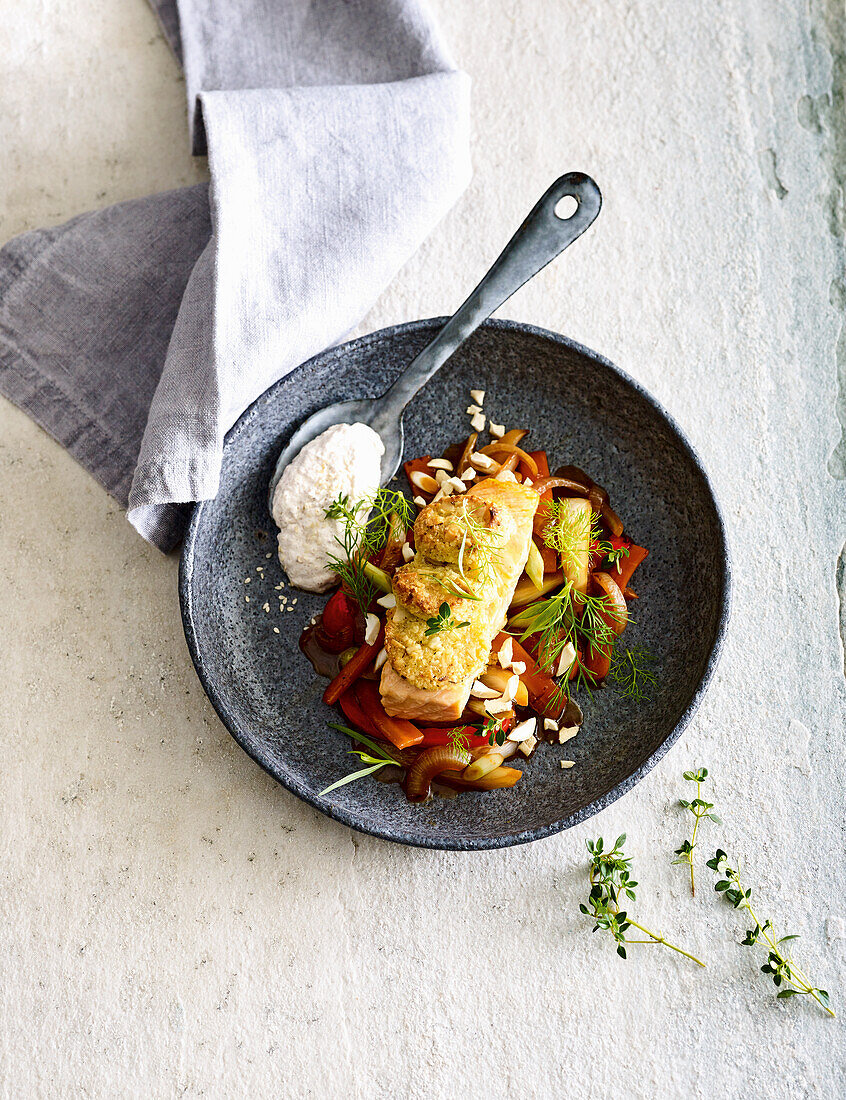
(266, 607)
(268, 555)
(294, 601)
(247, 598)
(247, 580)
(276, 630)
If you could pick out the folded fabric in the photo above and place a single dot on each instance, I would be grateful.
(337, 134)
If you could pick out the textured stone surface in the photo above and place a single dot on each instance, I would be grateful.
(174, 922)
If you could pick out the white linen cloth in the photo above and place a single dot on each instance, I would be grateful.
(337, 135)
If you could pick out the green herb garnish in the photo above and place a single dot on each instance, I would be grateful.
(381, 758)
(495, 731)
(568, 532)
(779, 965)
(609, 880)
(699, 808)
(366, 527)
(630, 672)
(443, 621)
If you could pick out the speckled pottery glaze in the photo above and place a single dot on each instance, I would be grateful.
(581, 409)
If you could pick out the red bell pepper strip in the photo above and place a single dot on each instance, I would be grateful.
(353, 669)
(398, 731)
(622, 571)
(356, 716)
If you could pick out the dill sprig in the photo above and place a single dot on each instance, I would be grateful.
(565, 617)
(699, 808)
(366, 527)
(484, 542)
(630, 672)
(610, 880)
(444, 621)
(779, 965)
(448, 585)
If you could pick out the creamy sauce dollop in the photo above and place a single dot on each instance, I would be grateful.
(344, 461)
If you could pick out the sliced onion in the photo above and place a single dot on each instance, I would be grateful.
(618, 615)
(431, 762)
(555, 482)
(501, 447)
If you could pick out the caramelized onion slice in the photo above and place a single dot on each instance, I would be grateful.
(618, 614)
(431, 762)
(500, 447)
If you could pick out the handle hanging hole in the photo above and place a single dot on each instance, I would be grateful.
(566, 207)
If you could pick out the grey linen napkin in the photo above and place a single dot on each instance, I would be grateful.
(337, 135)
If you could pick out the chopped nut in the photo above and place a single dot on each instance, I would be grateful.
(441, 476)
(528, 481)
(419, 501)
(477, 422)
(371, 629)
(565, 661)
(478, 396)
(473, 409)
(387, 601)
(457, 485)
(506, 652)
(440, 464)
(567, 733)
(505, 475)
(519, 667)
(567, 763)
(407, 552)
(497, 430)
(468, 474)
(527, 746)
(482, 691)
(381, 657)
(524, 730)
(497, 706)
(512, 686)
(478, 459)
(423, 481)
(550, 724)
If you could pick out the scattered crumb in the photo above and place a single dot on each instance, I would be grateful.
(477, 422)
(497, 429)
(478, 396)
(567, 763)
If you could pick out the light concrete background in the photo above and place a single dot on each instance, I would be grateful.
(172, 922)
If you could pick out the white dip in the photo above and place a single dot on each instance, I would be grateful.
(344, 461)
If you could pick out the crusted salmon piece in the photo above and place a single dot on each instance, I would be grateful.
(400, 698)
(471, 550)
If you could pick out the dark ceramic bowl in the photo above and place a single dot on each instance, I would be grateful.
(580, 408)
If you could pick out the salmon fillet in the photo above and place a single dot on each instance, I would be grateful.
(470, 552)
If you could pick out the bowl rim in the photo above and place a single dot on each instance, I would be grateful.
(448, 843)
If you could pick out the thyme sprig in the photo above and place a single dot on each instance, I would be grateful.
(495, 731)
(610, 880)
(380, 758)
(699, 808)
(779, 965)
(443, 622)
(366, 527)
